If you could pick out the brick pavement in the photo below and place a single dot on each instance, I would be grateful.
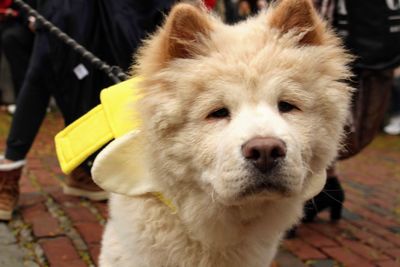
(51, 229)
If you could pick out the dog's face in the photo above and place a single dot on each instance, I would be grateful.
(247, 112)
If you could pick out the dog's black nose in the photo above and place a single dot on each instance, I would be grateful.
(264, 152)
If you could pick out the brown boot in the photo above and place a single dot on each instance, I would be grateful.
(79, 183)
(9, 192)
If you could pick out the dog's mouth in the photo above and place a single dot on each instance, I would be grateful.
(242, 185)
(266, 188)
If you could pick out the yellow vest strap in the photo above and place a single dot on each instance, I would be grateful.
(114, 117)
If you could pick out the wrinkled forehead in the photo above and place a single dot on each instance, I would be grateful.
(251, 54)
(249, 70)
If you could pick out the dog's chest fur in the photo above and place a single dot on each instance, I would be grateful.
(157, 237)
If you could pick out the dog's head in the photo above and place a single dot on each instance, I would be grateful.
(250, 111)
(255, 109)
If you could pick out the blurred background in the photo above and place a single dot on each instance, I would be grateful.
(46, 83)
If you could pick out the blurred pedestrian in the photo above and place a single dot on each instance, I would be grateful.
(16, 30)
(393, 127)
(370, 30)
(244, 9)
(112, 30)
(210, 4)
(262, 5)
(230, 12)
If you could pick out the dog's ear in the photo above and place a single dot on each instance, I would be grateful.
(298, 15)
(314, 185)
(121, 167)
(185, 29)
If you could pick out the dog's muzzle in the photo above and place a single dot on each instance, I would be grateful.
(265, 156)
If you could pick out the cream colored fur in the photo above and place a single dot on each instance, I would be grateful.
(193, 66)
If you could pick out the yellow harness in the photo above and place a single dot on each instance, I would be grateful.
(111, 119)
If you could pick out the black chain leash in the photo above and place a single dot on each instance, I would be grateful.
(115, 73)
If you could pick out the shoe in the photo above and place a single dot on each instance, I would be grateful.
(9, 192)
(393, 128)
(79, 183)
(332, 197)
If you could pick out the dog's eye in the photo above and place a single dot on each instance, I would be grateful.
(219, 114)
(286, 107)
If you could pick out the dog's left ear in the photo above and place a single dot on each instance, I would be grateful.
(300, 16)
(315, 185)
(121, 168)
(185, 29)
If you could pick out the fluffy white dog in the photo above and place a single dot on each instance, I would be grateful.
(239, 124)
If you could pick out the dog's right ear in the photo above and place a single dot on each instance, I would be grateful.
(300, 16)
(121, 168)
(185, 30)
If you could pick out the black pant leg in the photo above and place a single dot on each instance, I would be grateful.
(32, 101)
(31, 109)
(17, 42)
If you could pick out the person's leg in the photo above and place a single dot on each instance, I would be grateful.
(3, 26)
(396, 97)
(393, 127)
(17, 42)
(31, 109)
(32, 102)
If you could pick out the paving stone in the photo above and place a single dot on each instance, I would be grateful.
(322, 263)
(378, 219)
(59, 251)
(379, 210)
(395, 229)
(11, 256)
(372, 239)
(6, 236)
(365, 189)
(379, 230)
(303, 250)
(46, 226)
(31, 198)
(314, 238)
(94, 251)
(30, 264)
(365, 251)
(286, 259)
(351, 216)
(80, 214)
(390, 263)
(394, 253)
(346, 257)
(91, 232)
(31, 213)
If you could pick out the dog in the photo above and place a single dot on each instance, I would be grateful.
(238, 125)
